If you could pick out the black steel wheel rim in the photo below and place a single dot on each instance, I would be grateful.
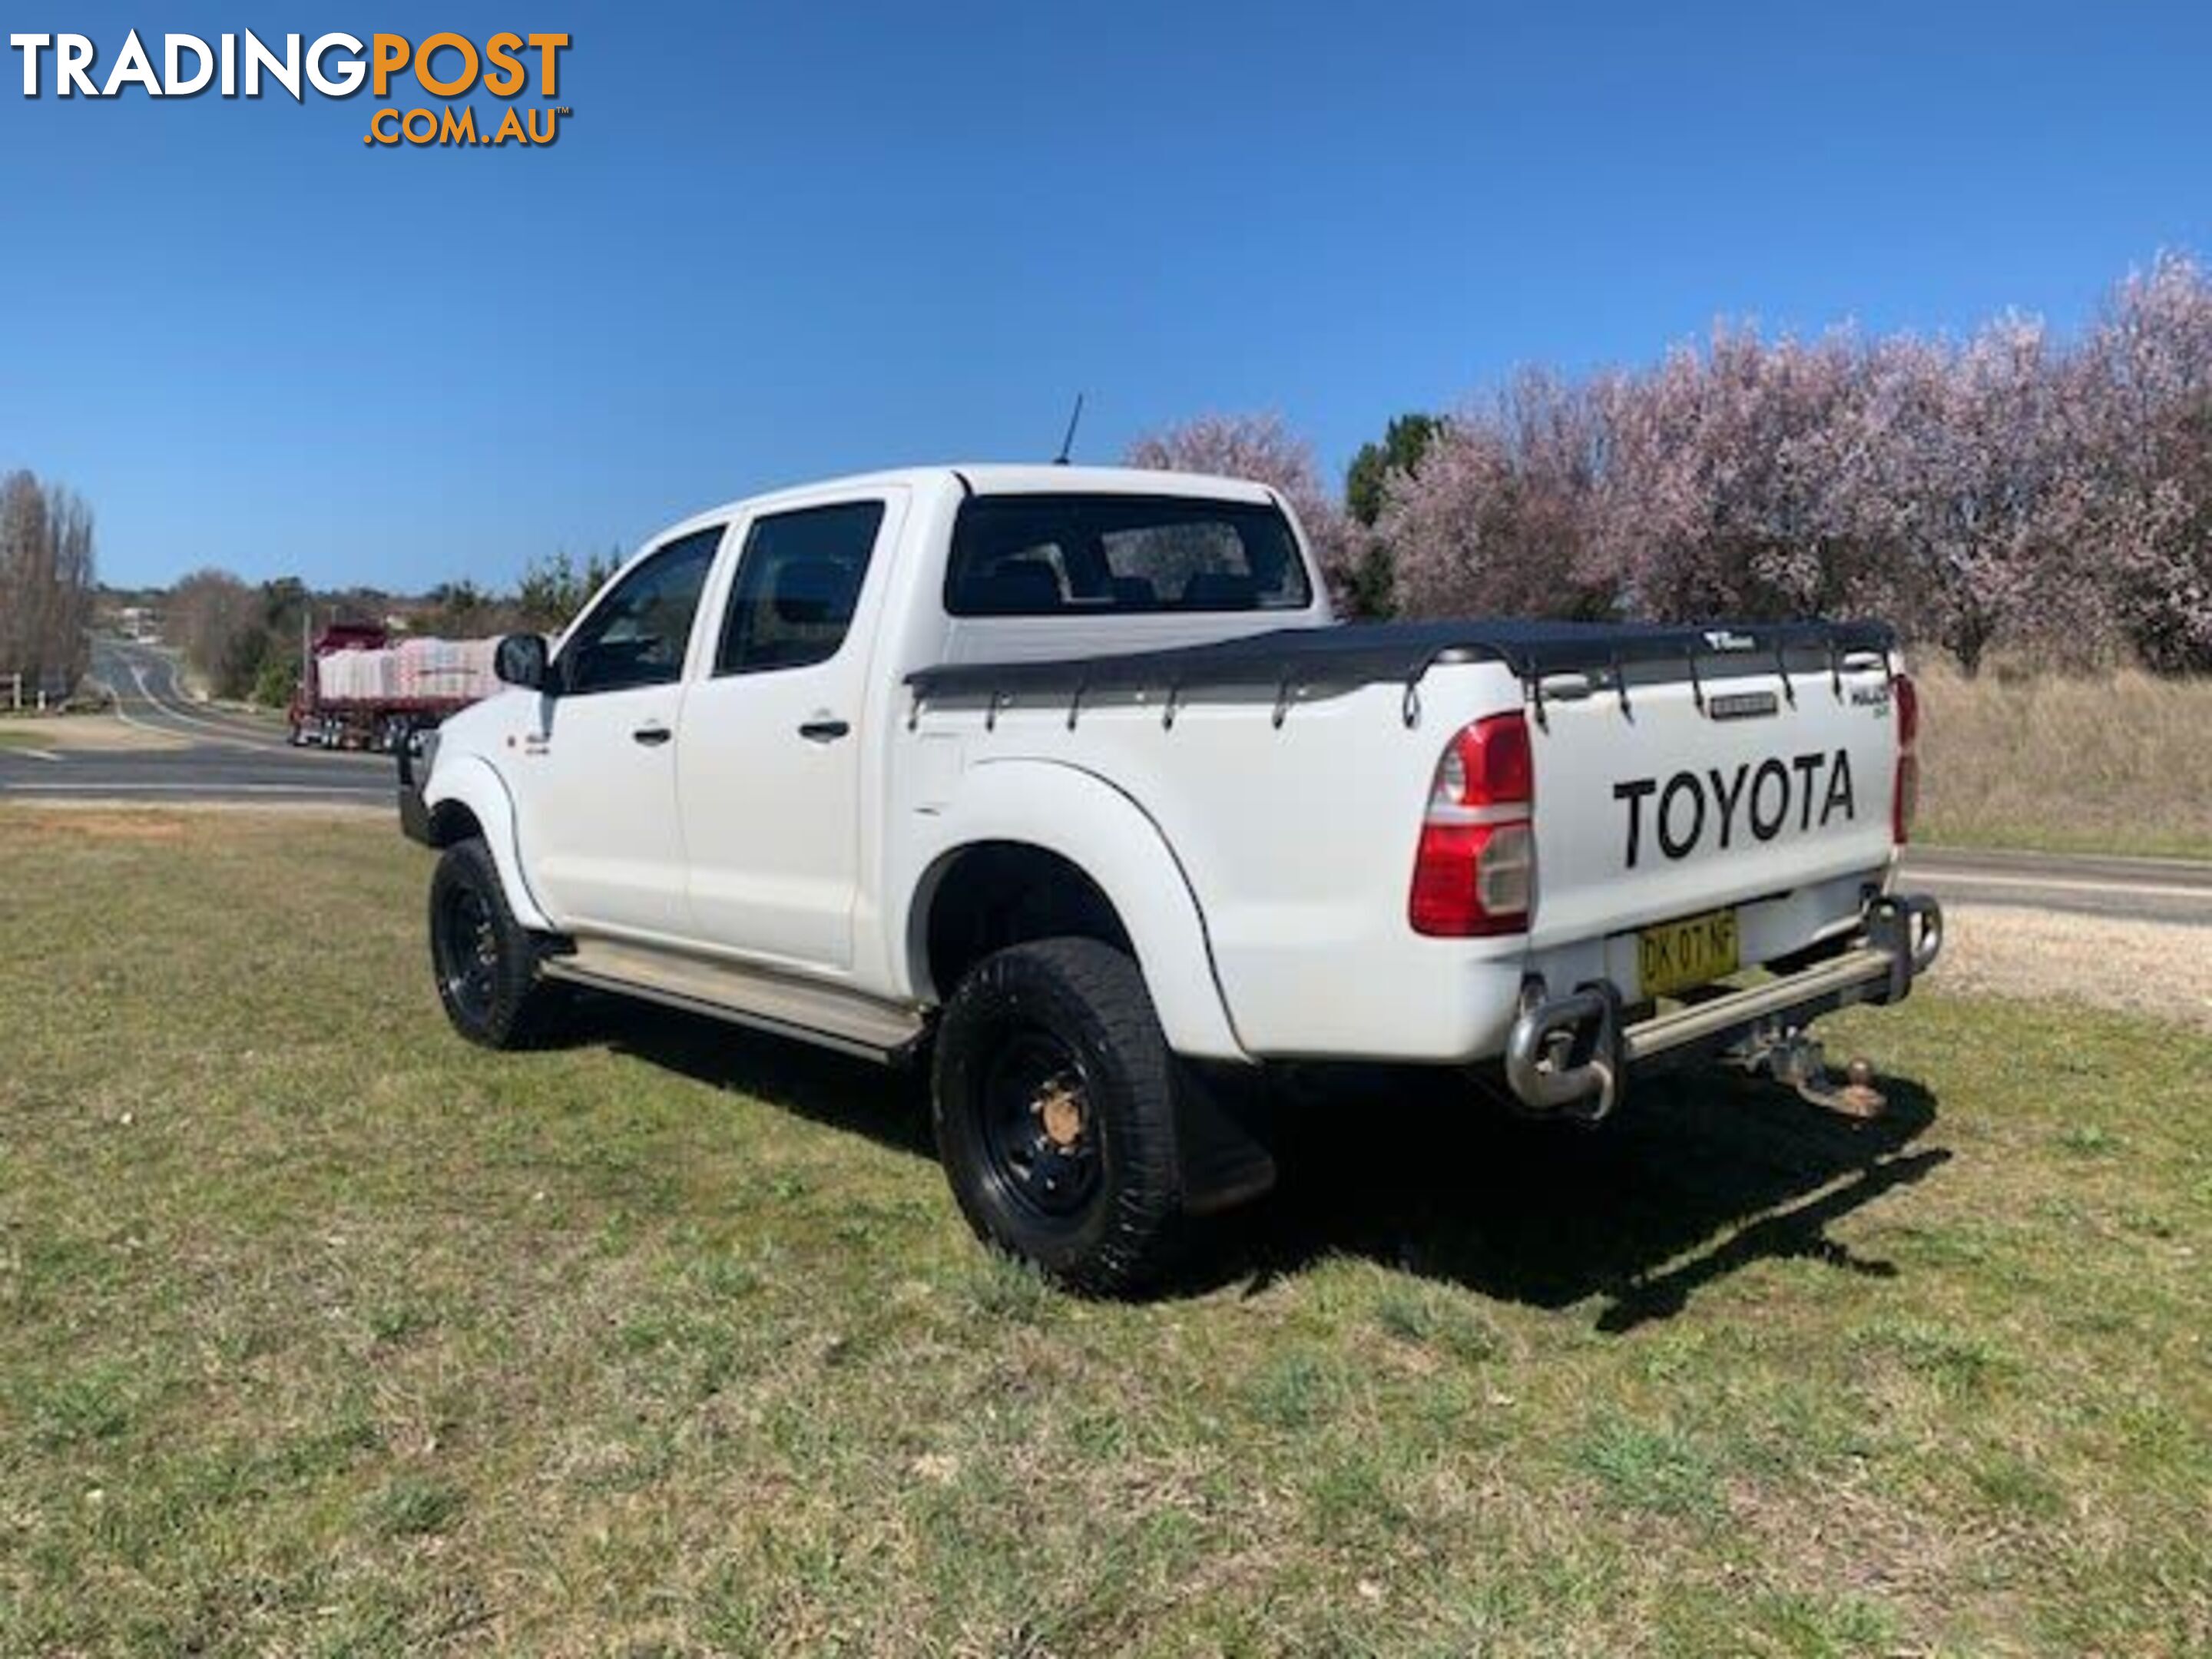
(468, 952)
(1040, 1127)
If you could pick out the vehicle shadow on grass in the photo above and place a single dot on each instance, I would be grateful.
(835, 1091)
(1698, 1175)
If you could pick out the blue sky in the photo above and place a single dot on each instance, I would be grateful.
(773, 244)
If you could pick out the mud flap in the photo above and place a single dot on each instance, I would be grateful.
(1220, 1113)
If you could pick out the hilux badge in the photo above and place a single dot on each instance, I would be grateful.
(1742, 705)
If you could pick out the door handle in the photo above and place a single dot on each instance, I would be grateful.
(824, 730)
(652, 736)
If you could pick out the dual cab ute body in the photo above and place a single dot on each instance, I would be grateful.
(817, 761)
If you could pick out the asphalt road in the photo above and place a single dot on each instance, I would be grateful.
(228, 757)
(2147, 890)
(233, 757)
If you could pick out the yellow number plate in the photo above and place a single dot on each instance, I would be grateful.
(1677, 955)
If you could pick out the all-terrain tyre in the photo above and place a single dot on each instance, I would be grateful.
(483, 962)
(1054, 1096)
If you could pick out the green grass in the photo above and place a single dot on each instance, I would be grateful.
(21, 737)
(323, 1333)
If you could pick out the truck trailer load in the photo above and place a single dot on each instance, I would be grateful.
(359, 691)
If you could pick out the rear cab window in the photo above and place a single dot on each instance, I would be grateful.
(798, 581)
(1088, 554)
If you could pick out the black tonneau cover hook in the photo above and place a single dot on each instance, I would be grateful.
(1409, 706)
(1781, 667)
(1697, 685)
(1168, 715)
(1620, 686)
(1075, 702)
(1283, 697)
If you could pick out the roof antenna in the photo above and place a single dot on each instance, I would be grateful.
(1068, 442)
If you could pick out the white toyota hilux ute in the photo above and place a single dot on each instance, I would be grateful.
(1067, 778)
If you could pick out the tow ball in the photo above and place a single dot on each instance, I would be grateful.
(1793, 1057)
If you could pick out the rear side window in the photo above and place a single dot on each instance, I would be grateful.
(1052, 555)
(796, 588)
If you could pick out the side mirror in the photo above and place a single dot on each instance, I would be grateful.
(521, 661)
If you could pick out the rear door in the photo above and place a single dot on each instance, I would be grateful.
(773, 741)
(599, 829)
(1679, 797)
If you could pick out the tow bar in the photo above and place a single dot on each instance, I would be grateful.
(1797, 1059)
(1572, 1055)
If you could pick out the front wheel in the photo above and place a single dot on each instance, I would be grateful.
(1055, 1101)
(484, 961)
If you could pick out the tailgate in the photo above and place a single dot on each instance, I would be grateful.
(1674, 793)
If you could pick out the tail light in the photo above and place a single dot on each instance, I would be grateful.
(1475, 873)
(1904, 799)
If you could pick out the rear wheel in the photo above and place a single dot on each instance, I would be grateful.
(1054, 1100)
(484, 961)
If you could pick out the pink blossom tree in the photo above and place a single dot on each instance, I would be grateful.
(2148, 370)
(1983, 466)
(1498, 517)
(1722, 494)
(2008, 490)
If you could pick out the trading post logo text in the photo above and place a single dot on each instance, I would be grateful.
(243, 65)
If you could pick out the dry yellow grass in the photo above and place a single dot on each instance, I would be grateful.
(2119, 762)
(101, 734)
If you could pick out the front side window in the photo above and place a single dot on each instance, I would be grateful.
(797, 586)
(1050, 555)
(637, 634)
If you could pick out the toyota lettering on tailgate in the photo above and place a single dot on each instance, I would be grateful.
(1762, 797)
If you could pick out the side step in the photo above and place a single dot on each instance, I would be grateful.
(808, 1010)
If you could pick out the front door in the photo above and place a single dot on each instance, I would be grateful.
(769, 753)
(599, 835)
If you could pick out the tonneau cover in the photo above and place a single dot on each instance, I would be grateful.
(1360, 654)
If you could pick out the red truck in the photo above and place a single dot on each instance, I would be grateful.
(358, 690)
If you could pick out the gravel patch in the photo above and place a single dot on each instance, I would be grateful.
(2159, 968)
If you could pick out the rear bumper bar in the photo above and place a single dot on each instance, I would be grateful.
(1573, 1054)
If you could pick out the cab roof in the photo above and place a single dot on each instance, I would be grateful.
(1005, 478)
